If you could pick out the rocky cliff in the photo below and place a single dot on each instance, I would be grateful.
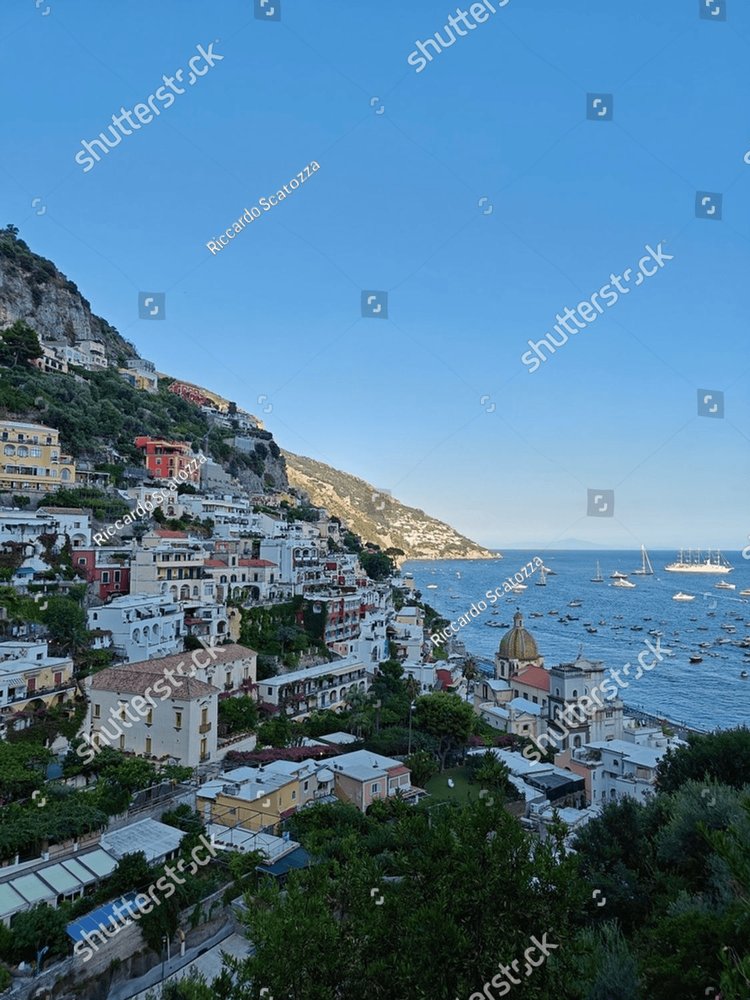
(32, 289)
(378, 517)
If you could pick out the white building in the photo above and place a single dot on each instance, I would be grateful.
(126, 710)
(67, 524)
(143, 626)
(300, 692)
(230, 669)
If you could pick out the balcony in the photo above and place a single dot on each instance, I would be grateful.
(205, 727)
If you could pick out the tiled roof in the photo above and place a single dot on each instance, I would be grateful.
(164, 533)
(124, 680)
(219, 654)
(536, 677)
(256, 562)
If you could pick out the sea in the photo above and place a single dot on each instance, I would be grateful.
(707, 695)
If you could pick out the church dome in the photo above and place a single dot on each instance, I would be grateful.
(518, 644)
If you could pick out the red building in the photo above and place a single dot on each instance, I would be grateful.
(165, 459)
(108, 570)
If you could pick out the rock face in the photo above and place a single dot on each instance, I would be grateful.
(32, 289)
(377, 517)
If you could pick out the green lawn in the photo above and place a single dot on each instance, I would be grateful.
(438, 788)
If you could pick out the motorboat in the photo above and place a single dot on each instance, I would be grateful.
(696, 659)
(432, 586)
(617, 575)
(576, 603)
(723, 585)
(745, 593)
(623, 583)
(679, 596)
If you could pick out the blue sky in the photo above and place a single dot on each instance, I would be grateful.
(499, 115)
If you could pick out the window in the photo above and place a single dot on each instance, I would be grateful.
(375, 788)
(148, 744)
(294, 794)
(150, 717)
(105, 576)
(58, 677)
(97, 711)
(178, 720)
(306, 785)
(204, 716)
(122, 742)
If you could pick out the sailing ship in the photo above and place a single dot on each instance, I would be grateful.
(646, 568)
(542, 581)
(696, 563)
(597, 578)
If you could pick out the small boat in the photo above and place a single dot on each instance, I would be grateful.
(458, 574)
(591, 631)
(745, 593)
(535, 614)
(723, 585)
(542, 581)
(743, 675)
(432, 586)
(553, 612)
(597, 577)
(617, 575)
(623, 583)
(679, 596)
(575, 604)
(550, 572)
(646, 568)
(518, 587)
(636, 628)
(696, 659)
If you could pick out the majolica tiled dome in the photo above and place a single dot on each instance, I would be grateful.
(518, 644)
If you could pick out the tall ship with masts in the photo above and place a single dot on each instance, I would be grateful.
(696, 562)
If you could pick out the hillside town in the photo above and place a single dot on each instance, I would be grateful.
(233, 730)
(251, 616)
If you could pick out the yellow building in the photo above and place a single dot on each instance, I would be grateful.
(32, 459)
(251, 798)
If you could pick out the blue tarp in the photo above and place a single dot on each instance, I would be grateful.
(103, 916)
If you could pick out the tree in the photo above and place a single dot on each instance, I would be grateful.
(19, 344)
(23, 767)
(724, 756)
(422, 765)
(133, 872)
(66, 622)
(240, 715)
(37, 928)
(377, 565)
(446, 717)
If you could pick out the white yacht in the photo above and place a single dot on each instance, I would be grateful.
(623, 583)
(617, 575)
(679, 596)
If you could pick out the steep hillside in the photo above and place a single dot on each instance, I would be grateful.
(32, 289)
(377, 517)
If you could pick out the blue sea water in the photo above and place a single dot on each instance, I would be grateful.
(707, 695)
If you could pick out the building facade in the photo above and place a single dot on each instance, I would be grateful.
(32, 460)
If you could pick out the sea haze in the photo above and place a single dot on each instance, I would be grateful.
(707, 695)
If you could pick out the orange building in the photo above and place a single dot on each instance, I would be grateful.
(165, 459)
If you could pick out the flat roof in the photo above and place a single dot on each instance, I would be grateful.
(148, 835)
(320, 671)
(33, 889)
(10, 901)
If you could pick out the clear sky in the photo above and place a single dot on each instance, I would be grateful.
(433, 403)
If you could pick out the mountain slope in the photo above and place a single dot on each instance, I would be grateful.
(377, 517)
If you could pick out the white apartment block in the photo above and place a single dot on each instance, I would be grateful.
(171, 563)
(231, 669)
(325, 686)
(143, 626)
(68, 524)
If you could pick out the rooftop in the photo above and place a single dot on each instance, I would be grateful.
(155, 839)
